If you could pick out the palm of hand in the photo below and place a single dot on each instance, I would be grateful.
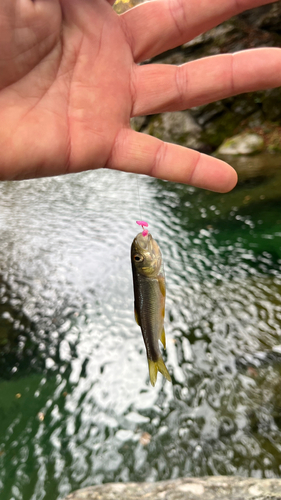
(69, 84)
(62, 103)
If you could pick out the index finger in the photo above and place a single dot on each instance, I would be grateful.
(160, 25)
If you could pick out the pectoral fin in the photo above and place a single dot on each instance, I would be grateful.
(137, 317)
(162, 286)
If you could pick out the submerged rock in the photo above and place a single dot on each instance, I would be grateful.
(257, 170)
(208, 488)
(242, 144)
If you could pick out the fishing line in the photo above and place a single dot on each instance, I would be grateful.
(141, 222)
(138, 187)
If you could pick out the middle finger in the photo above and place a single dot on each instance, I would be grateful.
(163, 87)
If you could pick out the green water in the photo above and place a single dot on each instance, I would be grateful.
(75, 399)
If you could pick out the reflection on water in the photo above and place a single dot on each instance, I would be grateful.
(76, 406)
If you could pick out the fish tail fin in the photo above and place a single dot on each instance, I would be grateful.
(154, 367)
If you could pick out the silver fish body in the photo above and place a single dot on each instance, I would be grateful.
(150, 292)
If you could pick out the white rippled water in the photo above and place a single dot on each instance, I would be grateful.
(76, 407)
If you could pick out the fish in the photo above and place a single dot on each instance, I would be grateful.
(149, 294)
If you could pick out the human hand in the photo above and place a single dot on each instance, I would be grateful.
(70, 82)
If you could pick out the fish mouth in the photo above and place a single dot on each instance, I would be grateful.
(148, 247)
(145, 243)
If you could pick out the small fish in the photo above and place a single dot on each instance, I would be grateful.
(150, 292)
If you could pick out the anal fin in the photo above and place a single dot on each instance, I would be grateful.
(163, 338)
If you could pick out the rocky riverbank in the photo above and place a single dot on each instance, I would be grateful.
(208, 488)
(206, 127)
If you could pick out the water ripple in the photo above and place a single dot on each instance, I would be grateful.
(76, 405)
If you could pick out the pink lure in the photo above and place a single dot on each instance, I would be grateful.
(143, 224)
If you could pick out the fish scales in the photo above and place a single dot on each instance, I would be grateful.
(149, 315)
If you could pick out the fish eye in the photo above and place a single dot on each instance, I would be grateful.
(138, 258)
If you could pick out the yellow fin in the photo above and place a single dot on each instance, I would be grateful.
(162, 286)
(136, 317)
(154, 367)
(163, 338)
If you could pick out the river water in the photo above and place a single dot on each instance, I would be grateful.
(76, 406)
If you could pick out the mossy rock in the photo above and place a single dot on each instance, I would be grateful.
(220, 128)
(242, 144)
(178, 128)
(274, 140)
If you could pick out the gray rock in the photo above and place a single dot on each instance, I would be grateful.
(271, 17)
(138, 122)
(221, 31)
(178, 127)
(242, 144)
(208, 488)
